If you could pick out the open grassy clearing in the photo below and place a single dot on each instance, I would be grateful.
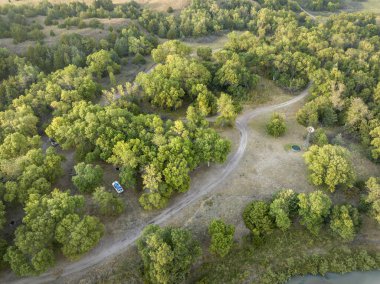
(266, 168)
(216, 42)
(163, 5)
(351, 6)
(128, 72)
(372, 6)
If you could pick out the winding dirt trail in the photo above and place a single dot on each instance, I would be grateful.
(308, 13)
(194, 194)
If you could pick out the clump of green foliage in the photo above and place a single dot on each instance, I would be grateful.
(222, 236)
(167, 254)
(87, 177)
(257, 218)
(276, 126)
(329, 166)
(108, 203)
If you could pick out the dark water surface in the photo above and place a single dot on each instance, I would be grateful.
(369, 277)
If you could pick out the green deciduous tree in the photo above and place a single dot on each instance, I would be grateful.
(3, 251)
(172, 47)
(78, 235)
(167, 254)
(373, 198)
(206, 101)
(32, 252)
(313, 210)
(319, 110)
(283, 207)
(222, 236)
(235, 77)
(2, 215)
(162, 153)
(357, 114)
(257, 218)
(319, 138)
(276, 126)
(128, 177)
(87, 177)
(375, 142)
(101, 62)
(108, 203)
(226, 109)
(31, 173)
(344, 221)
(329, 166)
(205, 53)
(168, 84)
(17, 144)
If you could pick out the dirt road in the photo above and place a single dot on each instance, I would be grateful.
(308, 13)
(118, 246)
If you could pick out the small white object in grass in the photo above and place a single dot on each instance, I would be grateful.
(310, 129)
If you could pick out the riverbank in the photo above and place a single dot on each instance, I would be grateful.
(368, 277)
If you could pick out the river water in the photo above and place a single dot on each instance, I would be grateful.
(369, 277)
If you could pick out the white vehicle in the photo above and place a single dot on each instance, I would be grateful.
(116, 185)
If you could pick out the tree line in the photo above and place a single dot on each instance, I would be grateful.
(168, 254)
(339, 57)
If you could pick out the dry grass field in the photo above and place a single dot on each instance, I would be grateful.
(160, 5)
(51, 40)
(351, 6)
(372, 6)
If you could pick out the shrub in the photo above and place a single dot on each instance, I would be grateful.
(108, 203)
(138, 59)
(167, 254)
(257, 219)
(344, 221)
(314, 208)
(373, 198)
(329, 166)
(283, 206)
(276, 126)
(87, 177)
(128, 177)
(320, 138)
(95, 24)
(222, 236)
(205, 53)
(338, 140)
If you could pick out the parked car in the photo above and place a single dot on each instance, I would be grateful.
(116, 185)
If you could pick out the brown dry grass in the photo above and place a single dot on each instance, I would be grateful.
(51, 40)
(159, 5)
(266, 168)
(216, 42)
